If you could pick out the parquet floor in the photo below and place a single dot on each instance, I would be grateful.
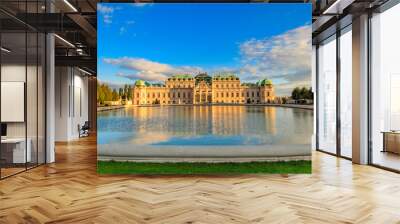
(70, 191)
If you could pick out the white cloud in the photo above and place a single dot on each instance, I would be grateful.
(104, 9)
(285, 57)
(122, 30)
(148, 76)
(107, 19)
(106, 12)
(142, 4)
(114, 84)
(141, 68)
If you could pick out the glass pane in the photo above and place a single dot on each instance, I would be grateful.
(13, 86)
(385, 84)
(31, 98)
(327, 96)
(41, 98)
(346, 93)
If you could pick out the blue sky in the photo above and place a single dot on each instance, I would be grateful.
(254, 41)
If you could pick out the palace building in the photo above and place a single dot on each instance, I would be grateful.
(203, 89)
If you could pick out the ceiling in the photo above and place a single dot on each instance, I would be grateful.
(75, 22)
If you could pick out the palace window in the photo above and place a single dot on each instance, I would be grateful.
(247, 94)
(242, 94)
(148, 94)
(179, 94)
(173, 95)
(232, 95)
(154, 95)
(267, 93)
(217, 85)
(137, 95)
(252, 94)
(158, 94)
(237, 95)
(258, 93)
(184, 95)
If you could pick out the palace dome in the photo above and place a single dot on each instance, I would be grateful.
(140, 83)
(264, 82)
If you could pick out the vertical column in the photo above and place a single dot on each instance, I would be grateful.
(360, 89)
(314, 88)
(50, 92)
(50, 98)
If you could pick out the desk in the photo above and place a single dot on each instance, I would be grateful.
(19, 154)
(391, 141)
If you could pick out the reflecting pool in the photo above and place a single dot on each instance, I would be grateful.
(205, 126)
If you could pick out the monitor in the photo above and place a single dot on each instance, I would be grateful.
(3, 129)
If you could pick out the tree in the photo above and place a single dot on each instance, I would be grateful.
(129, 93)
(114, 95)
(121, 92)
(296, 93)
(303, 93)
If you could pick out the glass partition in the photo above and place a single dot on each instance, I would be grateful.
(346, 92)
(22, 88)
(385, 89)
(13, 114)
(327, 95)
(32, 98)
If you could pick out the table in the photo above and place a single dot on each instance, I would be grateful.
(19, 154)
(391, 141)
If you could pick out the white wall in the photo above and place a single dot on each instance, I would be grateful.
(71, 102)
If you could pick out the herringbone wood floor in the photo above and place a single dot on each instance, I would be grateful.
(70, 191)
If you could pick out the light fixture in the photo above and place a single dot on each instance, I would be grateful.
(84, 71)
(5, 50)
(337, 7)
(64, 40)
(70, 5)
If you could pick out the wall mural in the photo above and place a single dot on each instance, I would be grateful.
(204, 88)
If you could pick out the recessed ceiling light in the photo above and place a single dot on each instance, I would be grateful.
(64, 40)
(70, 5)
(5, 50)
(86, 72)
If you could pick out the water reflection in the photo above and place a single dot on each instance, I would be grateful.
(206, 125)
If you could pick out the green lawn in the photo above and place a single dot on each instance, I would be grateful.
(290, 167)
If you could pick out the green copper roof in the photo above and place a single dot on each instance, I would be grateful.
(225, 76)
(264, 82)
(140, 83)
(182, 76)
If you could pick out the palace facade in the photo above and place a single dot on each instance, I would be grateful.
(203, 89)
